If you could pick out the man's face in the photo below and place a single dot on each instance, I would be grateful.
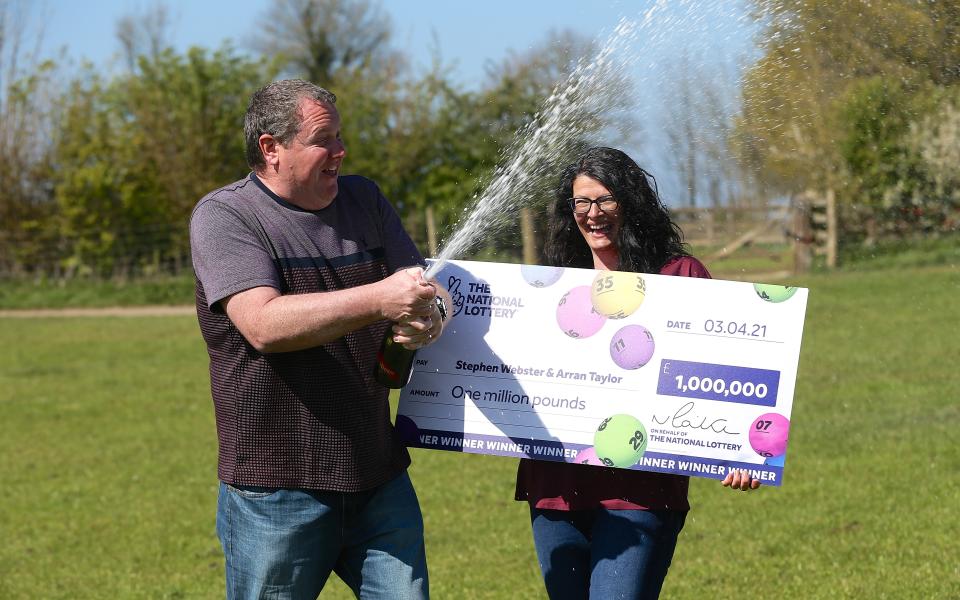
(309, 163)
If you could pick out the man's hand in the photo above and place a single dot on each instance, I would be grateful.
(406, 297)
(415, 334)
(422, 332)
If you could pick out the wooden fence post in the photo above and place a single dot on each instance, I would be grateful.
(711, 225)
(831, 241)
(823, 222)
(802, 233)
(528, 237)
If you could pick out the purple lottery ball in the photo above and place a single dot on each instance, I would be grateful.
(632, 347)
(588, 456)
(575, 314)
(406, 429)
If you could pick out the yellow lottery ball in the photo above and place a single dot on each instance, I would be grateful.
(616, 294)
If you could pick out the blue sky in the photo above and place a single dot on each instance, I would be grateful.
(469, 35)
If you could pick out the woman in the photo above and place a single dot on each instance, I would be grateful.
(602, 532)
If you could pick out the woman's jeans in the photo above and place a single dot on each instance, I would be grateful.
(283, 543)
(605, 554)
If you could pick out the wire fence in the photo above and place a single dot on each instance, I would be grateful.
(143, 251)
(715, 226)
(164, 248)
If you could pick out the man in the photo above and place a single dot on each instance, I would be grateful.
(299, 273)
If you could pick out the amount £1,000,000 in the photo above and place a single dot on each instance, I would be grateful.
(745, 389)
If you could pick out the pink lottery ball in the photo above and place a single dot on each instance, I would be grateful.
(768, 434)
(575, 314)
(588, 456)
(632, 347)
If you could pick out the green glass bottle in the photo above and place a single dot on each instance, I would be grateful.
(394, 363)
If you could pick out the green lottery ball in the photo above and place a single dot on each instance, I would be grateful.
(774, 293)
(620, 441)
(616, 294)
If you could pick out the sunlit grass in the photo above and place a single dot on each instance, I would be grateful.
(928, 251)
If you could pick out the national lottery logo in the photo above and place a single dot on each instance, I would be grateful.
(453, 287)
(475, 298)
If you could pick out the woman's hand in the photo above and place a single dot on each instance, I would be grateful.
(740, 480)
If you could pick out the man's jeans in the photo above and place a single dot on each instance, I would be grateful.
(604, 553)
(283, 543)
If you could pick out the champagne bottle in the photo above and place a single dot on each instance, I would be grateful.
(394, 363)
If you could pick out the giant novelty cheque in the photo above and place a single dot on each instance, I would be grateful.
(652, 372)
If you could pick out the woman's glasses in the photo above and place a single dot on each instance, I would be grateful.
(581, 206)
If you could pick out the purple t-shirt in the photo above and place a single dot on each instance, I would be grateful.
(313, 418)
(569, 486)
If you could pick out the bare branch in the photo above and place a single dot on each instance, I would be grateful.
(321, 39)
(146, 33)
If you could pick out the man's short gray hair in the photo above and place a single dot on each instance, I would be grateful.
(275, 109)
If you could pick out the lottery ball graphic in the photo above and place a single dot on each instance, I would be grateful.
(774, 293)
(775, 461)
(407, 429)
(540, 276)
(632, 347)
(588, 457)
(768, 434)
(620, 441)
(617, 294)
(575, 314)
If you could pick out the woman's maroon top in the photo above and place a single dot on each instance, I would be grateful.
(569, 486)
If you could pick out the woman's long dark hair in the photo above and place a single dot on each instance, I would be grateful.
(647, 238)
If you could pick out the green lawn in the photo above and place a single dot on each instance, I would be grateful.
(91, 293)
(107, 457)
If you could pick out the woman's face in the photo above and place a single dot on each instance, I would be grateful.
(598, 228)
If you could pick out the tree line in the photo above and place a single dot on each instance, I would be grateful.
(103, 168)
(858, 99)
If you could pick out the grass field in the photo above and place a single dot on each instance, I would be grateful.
(85, 293)
(107, 457)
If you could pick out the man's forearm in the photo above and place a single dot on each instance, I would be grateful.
(272, 322)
